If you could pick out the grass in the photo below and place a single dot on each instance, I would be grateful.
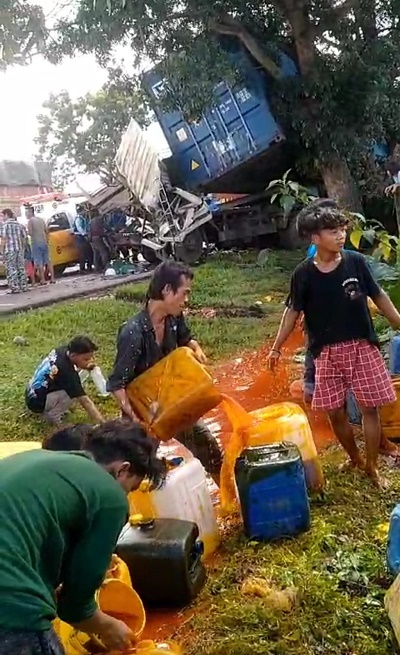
(230, 280)
(337, 569)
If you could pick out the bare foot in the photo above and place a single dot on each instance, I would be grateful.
(388, 449)
(378, 480)
(356, 463)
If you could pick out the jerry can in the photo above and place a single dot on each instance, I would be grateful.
(115, 597)
(390, 414)
(164, 560)
(272, 424)
(272, 491)
(394, 355)
(173, 394)
(150, 647)
(184, 496)
(8, 448)
(393, 545)
(392, 607)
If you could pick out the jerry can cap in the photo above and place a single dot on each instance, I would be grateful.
(139, 521)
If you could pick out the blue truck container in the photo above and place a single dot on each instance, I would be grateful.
(272, 491)
(234, 134)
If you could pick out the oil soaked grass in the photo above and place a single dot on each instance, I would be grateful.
(225, 279)
(338, 568)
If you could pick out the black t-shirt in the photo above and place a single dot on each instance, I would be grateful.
(55, 373)
(335, 304)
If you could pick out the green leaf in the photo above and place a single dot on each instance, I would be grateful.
(355, 238)
(287, 203)
(273, 198)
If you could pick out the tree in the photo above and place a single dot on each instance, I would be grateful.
(345, 96)
(82, 136)
(22, 32)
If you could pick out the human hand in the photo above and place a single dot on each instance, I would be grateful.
(200, 355)
(392, 189)
(117, 636)
(273, 359)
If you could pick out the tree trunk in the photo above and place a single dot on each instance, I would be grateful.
(340, 184)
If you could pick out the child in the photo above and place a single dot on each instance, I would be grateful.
(331, 289)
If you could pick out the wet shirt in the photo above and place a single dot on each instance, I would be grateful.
(55, 373)
(60, 516)
(138, 350)
(335, 304)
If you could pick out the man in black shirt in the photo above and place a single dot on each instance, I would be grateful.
(332, 289)
(152, 334)
(56, 382)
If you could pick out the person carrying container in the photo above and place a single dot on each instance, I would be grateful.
(56, 384)
(61, 514)
(152, 334)
(332, 289)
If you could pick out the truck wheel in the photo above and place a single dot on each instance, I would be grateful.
(150, 255)
(191, 248)
(289, 238)
(59, 269)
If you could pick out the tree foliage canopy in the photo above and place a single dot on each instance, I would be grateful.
(347, 52)
(22, 31)
(83, 135)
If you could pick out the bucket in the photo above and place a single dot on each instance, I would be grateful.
(117, 599)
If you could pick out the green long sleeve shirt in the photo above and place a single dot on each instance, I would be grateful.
(60, 517)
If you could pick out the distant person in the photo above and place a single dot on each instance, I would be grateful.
(97, 235)
(13, 241)
(56, 384)
(39, 235)
(152, 334)
(81, 232)
(61, 514)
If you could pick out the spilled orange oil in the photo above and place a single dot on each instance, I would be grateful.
(247, 381)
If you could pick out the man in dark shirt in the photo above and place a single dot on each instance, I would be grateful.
(56, 382)
(97, 234)
(332, 289)
(152, 334)
(61, 514)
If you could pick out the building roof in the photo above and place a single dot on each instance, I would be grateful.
(23, 173)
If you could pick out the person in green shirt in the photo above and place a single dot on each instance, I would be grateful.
(60, 516)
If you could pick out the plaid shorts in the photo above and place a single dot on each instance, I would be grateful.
(355, 366)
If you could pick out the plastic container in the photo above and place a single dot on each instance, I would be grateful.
(394, 355)
(185, 496)
(8, 448)
(150, 647)
(173, 394)
(98, 380)
(164, 560)
(273, 424)
(115, 597)
(353, 411)
(272, 492)
(390, 414)
(392, 604)
(393, 545)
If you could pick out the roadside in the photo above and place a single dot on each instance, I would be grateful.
(67, 287)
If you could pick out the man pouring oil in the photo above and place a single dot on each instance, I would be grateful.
(152, 334)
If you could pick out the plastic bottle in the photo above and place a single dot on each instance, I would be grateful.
(99, 381)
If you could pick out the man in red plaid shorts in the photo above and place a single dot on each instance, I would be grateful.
(331, 290)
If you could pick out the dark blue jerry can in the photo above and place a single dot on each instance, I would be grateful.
(393, 544)
(394, 355)
(272, 491)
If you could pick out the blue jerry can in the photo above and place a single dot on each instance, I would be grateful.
(393, 546)
(394, 356)
(272, 491)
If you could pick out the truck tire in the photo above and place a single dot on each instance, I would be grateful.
(192, 247)
(150, 255)
(59, 269)
(289, 238)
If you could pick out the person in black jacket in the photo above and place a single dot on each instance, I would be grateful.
(152, 334)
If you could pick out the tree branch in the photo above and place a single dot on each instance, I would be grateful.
(335, 14)
(231, 26)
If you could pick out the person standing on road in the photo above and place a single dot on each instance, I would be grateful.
(152, 334)
(39, 235)
(61, 514)
(56, 382)
(81, 231)
(13, 240)
(97, 233)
